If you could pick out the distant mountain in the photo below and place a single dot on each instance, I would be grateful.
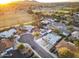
(64, 4)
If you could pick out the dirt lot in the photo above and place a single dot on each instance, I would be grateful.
(15, 19)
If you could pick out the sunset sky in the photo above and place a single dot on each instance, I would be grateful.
(57, 0)
(8, 1)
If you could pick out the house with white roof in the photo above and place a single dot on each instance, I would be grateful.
(8, 33)
(75, 34)
(48, 40)
(28, 28)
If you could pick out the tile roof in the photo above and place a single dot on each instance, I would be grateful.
(4, 44)
(68, 45)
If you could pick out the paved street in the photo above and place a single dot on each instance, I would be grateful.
(28, 38)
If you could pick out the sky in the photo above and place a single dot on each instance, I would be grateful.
(57, 0)
(7, 1)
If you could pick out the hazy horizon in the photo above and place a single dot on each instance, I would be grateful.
(49, 1)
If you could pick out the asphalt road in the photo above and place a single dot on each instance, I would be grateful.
(28, 38)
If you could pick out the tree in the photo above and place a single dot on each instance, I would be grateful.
(36, 34)
(21, 46)
(70, 28)
(76, 43)
(77, 54)
(56, 30)
(27, 51)
(65, 53)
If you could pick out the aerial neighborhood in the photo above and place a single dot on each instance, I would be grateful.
(40, 31)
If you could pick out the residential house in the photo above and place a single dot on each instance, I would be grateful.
(5, 44)
(28, 28)
(76, 19)
(26, 52)
(75, 35)
(68, 45)
(48, 40)
(8, 33)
